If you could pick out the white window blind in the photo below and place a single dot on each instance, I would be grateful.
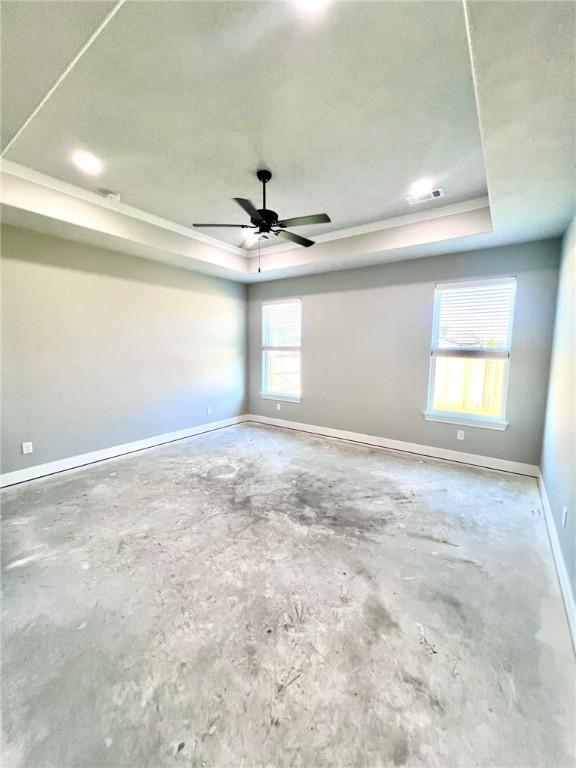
(474, 316)
(471, 340)
(281, 324)
(281, 338)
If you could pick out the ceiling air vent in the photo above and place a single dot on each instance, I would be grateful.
(424, 197)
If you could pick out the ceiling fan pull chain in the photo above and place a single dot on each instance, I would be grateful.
(259, 270)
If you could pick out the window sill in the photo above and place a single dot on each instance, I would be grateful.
(463, 421)
(282, 398)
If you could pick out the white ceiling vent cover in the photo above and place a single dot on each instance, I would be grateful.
(433, 194)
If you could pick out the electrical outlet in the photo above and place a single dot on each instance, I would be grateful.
(277, 406)
(564, 516)
(209, 411)
(460, 434)
(27, 448)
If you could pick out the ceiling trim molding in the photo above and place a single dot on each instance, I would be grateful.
(103, 24)
(44, 209)
(404, 241)
(41, 179)
(49, 182)
(33, 199)
(142, 241)
(430, 214)
(475, 88)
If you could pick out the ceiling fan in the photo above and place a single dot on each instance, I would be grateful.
(266, 222)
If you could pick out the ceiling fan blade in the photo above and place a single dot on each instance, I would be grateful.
(242, 226)
(294, 238)
(249, 207)
(299, 221)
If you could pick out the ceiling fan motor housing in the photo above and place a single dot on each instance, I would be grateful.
(270, 220)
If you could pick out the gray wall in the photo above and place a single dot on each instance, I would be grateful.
(559, 448)
(101, 348)
(366, 348)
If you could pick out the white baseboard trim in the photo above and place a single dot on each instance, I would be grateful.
(72, 462)
(561, 570)
(398, 445)
(51, 467)
(488, 462)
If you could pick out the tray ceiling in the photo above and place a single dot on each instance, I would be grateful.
(183, 101)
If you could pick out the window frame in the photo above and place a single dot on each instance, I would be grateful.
(469, 419)
(263, 349)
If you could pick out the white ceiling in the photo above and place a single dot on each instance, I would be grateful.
(525, 66)
(39, 39)
(183, 101)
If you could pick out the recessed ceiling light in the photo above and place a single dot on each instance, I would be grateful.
(425, 197)
(421, 187)
(87, 162)
(311, 7)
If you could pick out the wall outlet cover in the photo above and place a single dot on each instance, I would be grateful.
(460, 434)
(277, 406)
(209, 410)
(27, 448)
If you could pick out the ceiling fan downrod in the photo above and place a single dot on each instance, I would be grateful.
(264, 176)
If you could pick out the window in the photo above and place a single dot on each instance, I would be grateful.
(281, 331)
(471, 337)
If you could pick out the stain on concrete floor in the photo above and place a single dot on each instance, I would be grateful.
(260, 597)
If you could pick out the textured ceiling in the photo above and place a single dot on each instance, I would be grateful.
(184, 101)
(525, 64)
(39, 39)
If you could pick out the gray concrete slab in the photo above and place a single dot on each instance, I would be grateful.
(261, 597)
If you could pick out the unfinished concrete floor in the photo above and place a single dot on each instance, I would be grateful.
(260, 597)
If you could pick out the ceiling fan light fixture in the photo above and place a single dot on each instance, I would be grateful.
(251, 236)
